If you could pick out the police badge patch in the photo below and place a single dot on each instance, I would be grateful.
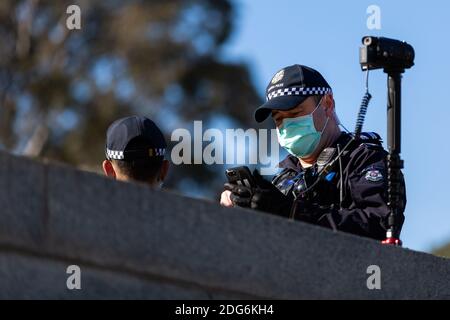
(373, 175)
(278, 76)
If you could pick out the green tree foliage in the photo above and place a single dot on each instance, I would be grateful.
(443, 251)
(60, 88)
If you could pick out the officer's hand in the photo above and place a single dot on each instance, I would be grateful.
(268, 198)
(265, 197)
(225, 199)
(239, 195)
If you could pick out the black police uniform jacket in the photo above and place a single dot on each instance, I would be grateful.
(351, 198)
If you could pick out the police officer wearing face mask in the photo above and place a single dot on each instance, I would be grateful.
(135, 149)
(329, 178)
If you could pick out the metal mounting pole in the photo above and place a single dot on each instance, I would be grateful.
(394, 162)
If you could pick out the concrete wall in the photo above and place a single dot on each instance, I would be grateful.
(132, 242)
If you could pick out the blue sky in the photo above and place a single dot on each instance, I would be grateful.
(326, 35)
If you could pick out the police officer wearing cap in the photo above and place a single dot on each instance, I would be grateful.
(135, 149)
(329, 178)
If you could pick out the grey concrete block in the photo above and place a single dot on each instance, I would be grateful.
(137, 231)
(238, 250)
(28, 277)
(23, 204)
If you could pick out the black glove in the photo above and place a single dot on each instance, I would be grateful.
(265, 197)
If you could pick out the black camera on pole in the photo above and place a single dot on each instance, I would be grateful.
(385, 53)
(393, 56)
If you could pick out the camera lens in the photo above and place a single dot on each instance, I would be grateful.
(367, 41)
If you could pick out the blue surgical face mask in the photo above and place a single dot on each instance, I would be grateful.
(299, 135)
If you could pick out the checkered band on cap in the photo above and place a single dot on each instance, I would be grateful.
(114, 155)
(299, 91)
(158, 152)
(120, 155)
